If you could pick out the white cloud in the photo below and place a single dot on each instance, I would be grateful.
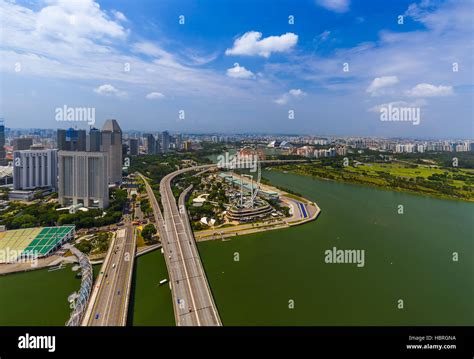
(296, 92)
(381, 82)
(428, 90)
(283, 99)
(155, 96)
(109, 90)
(195, 58)
(324, 35)
(338, 6)
(70, 20)
(149, 49)
(119, 16)
(240, 72)
(252, 44)
(48, 47)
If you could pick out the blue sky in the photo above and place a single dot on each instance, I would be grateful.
(240, 66)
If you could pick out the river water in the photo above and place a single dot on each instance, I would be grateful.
(281, 277)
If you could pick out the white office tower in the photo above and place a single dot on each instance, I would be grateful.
(112, 145)
(83, 179)
(35, 169)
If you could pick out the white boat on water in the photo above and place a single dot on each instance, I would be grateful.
(163, 281)
(52, 269)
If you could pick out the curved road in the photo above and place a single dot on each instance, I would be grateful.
(192, 298)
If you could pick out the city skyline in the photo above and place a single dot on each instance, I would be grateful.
(145, 69)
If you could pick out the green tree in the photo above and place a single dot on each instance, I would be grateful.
(148, 232)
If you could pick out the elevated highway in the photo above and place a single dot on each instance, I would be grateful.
(192, 298)
(110, 297)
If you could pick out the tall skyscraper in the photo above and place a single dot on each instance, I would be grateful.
(165, 141)
(94, 140)
(71, 140)
(83, 179)
(179, 141)
(35, 169)
(150, 143)
(133, 146)
(22, 143)
(112, 144)
(61, 140)
(3, 155)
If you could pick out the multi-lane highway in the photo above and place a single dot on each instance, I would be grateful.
(110, 296)
(192, 297)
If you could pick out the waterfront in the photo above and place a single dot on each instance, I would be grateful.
(37, 297)
(41, 296)
(407, 257)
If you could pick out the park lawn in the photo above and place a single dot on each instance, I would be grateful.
(397, 170)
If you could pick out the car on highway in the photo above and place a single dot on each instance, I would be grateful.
(97, 316)
(113, 265)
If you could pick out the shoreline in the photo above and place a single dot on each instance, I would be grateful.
(369, 185)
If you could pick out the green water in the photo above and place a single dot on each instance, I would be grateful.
(407, 257)
(40, 297)
(151, 303)
(37, 298)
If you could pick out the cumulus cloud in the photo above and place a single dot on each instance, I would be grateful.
(252, 44)
(381, 82)
(109, 90)
(428, 90)
(71, 20)
(74, 40)
(283, 99)
(339, 6)
(240, 72)
(155, 96)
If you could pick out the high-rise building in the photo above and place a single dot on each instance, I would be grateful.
(150, 143)
(22, 143)
(3, 155)
(187, 145)
(112, 144)
(165, 141)
(94, 140)
(71, 140)
(83, 178)
(179, 141)
(133, 146)
(61, 139)
(35, 169)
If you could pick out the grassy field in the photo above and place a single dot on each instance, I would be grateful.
(449, 183)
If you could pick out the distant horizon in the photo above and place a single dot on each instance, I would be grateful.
(257, 134)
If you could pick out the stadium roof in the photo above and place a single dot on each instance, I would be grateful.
(32, 242)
